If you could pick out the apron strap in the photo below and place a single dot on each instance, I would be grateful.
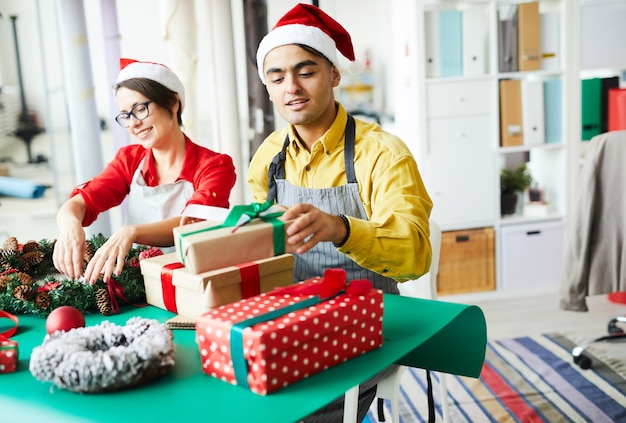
(276, 169)
(348, 150)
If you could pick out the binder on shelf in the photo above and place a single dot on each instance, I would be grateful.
(617, 109)
(511, 123)
(532, 112)
(450, 43)
(474, 42)
(431, 30)
(529, 36)
(552, 111)
(550, 41)
(507, 38)
(591, 113)
(606, 85)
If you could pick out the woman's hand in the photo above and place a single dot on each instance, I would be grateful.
(109, 258)
(69, 251)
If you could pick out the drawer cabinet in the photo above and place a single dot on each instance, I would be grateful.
(532, 256)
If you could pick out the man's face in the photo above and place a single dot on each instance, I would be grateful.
(300, 84)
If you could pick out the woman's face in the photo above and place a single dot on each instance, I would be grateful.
(156, 129)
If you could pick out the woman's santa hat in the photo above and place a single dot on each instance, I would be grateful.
(307, 25)
(157, 72)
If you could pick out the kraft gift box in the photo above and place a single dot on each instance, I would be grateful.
(171, 286)
(207, 245)
(267, 342)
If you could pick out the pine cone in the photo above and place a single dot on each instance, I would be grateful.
(4, 281)
(30, 246)
(24, 292)
(31, 259)
(7, 258)
(11, 244)
(89, 252)
(103, 301)
(24, 278)
(42, 300)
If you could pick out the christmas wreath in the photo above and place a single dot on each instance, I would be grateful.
(27, 285)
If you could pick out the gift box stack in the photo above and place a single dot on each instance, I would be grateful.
(219, 263)
(267, 342)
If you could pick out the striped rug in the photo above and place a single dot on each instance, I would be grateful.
(527, 379)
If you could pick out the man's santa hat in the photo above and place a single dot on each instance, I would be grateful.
(307, 25)
(157, 72)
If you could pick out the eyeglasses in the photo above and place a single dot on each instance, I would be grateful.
(139, 111)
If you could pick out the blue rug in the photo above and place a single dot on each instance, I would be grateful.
(527, 379)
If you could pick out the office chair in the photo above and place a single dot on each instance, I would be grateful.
(614, 333)
(424, 287)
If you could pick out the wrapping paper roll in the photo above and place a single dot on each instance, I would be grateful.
(23, 188)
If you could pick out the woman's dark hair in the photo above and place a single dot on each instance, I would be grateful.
(156, 92)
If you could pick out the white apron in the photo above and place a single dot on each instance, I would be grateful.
(147, 204)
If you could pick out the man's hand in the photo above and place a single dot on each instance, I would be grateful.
(311, 225)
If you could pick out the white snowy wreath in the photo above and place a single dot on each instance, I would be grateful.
(105, 357)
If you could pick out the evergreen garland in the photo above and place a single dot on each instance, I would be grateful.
(52, 290)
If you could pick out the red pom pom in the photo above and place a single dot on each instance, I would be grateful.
(64, 318)
(150, 252)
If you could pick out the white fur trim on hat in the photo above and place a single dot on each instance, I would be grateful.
(296, 34)
(156, 72)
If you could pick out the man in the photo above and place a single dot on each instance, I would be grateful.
(353, 191)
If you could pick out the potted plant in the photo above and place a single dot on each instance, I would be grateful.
(513, 182)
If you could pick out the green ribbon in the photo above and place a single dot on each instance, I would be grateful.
(243, 214)
(240, 366)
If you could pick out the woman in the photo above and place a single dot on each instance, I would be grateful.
(159, 176)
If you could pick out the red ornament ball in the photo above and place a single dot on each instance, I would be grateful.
(64, 318)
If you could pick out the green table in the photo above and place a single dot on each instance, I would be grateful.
(429, 334)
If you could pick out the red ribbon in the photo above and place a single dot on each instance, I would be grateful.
(116, 291)
(167, 287)
(250, 279)
(333, 282)
(9, 333)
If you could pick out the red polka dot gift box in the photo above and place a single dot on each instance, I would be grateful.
(8, 355)
(267, 342)
(8, 348)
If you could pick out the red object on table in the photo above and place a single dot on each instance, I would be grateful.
(618, 297)
(8, 348)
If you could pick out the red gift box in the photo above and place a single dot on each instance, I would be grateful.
(8, 348)
(8, 355)
(272, 340)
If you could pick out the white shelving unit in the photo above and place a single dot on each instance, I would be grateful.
(452, 123)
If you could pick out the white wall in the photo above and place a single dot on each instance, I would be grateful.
(141, 29)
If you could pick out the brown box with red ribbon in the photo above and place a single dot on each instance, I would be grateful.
(267, 342)
(171, 286)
